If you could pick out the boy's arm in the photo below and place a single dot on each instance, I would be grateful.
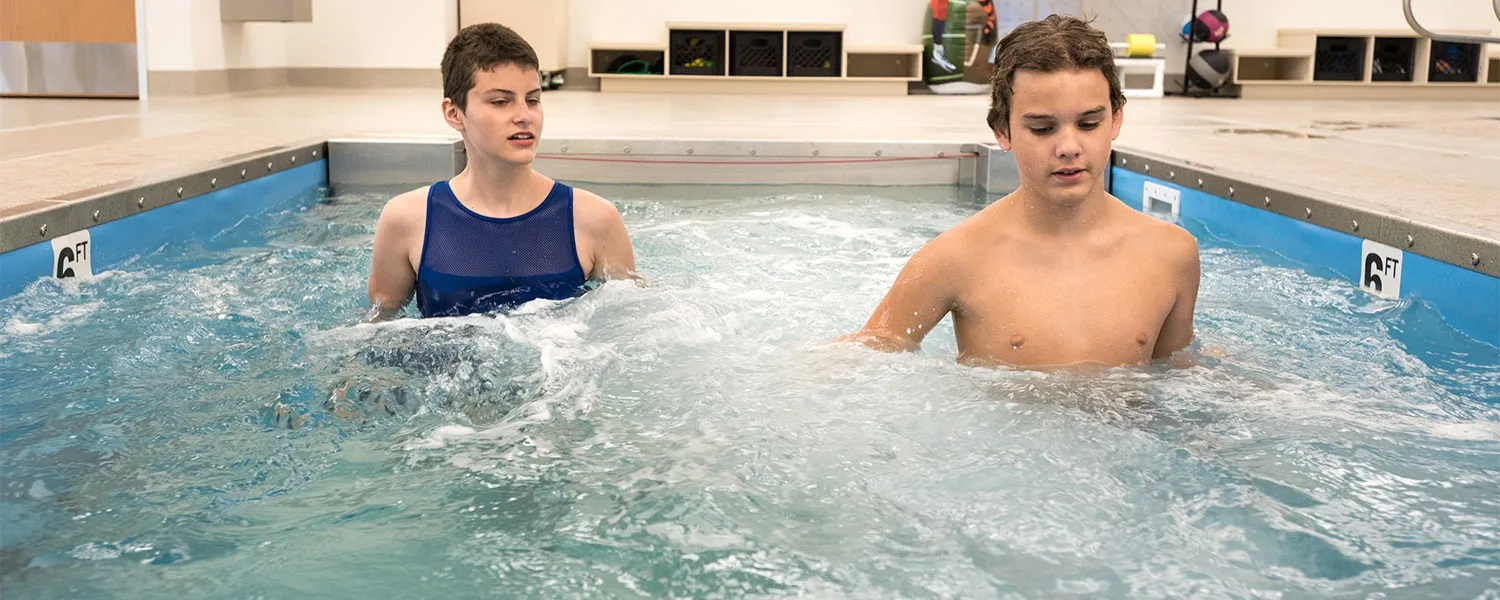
(614, 258)
(1177, 329)
(392, 279)
(922, 295)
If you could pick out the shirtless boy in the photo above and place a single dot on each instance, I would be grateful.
(1059, 272)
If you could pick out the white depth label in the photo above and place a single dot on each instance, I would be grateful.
(1380, 269)
(72, 256)
(1161, 199)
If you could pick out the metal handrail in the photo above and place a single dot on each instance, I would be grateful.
(1443, 37)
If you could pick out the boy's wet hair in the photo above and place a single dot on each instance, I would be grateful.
(1052, 44)
(482, 47)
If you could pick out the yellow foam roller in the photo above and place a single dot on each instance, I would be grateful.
(1140, 45)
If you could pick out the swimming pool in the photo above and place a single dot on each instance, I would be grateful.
(165, 431)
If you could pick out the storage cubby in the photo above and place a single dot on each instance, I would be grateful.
(1452, 62)
(755, 53)
(696, 52)
(894, 63)
(623, 60)
(1370, 64)
(814, 53)
(1393, 59)
(1274, 66)
(755, 57)
(1339, 58)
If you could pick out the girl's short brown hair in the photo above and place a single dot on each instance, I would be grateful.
(481, 47)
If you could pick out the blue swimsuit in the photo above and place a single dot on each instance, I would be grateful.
(472, 263)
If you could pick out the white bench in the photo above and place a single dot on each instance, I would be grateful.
(1157, 66)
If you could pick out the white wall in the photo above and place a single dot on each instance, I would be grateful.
(387, 34)
(169, 35)
(867, 22)
(1256, 27)
(188, 35)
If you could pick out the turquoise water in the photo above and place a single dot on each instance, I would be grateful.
(166, 430)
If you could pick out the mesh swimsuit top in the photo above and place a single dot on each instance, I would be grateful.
(472, 263)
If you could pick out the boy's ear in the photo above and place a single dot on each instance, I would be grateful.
(1003, 138)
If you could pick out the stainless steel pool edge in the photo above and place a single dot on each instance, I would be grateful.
(383, 160)
(1324, 210)
(406, 159)
(41, 221)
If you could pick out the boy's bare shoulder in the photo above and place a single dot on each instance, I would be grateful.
(1163, 238)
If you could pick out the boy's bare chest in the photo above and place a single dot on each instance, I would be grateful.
(1107, 309)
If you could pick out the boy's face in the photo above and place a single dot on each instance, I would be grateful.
(1061, 128)
(503, 119)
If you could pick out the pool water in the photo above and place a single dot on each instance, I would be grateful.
(213, 420)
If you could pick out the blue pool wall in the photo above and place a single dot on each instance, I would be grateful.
(1468, 300)
(112, 243)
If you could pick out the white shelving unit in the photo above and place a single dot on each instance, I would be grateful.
(773, 58)
(1367, 64)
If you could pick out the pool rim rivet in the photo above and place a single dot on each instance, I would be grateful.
(1268, 201)
(1308, 213)
(179, 191)
(242, 173)
(269, 165)
(1200, 182)
(42, 230)
(815, 153)
(627, 149)
(213, 182)
(315, 153)
(1410, 241)
(1172, 175)
(1148, 167)
(96, 216)
(690, 151)
(878, 152)
(1231, 191)
(294, 159)
(563, 149)
(140, 202)
(1354, 224)
(1474, 258)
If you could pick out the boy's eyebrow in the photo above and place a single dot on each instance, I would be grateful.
(511, 93)
(1093, 112)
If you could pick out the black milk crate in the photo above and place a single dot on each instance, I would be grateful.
(696, 52)
(1395, 59)
(814, 53)
(755, 53)
(1339, 59)
(1453, 61)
